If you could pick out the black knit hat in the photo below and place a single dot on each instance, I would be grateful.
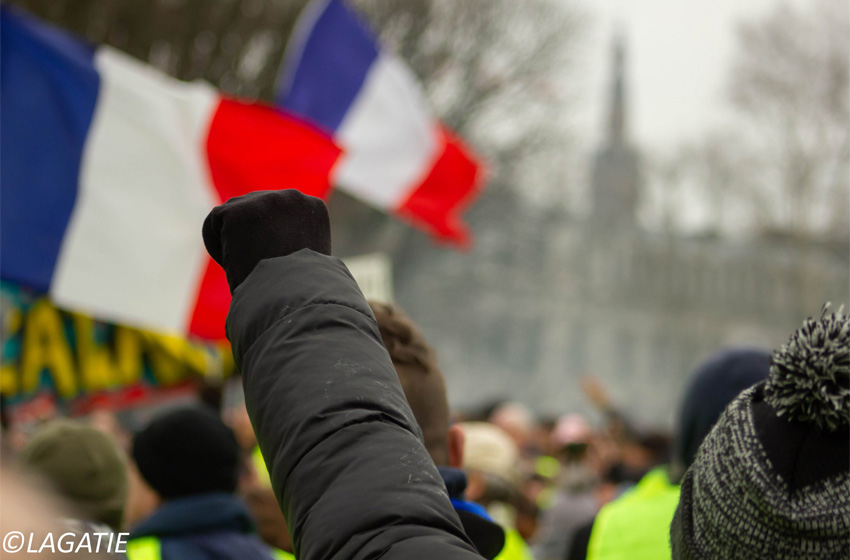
(772, 479)
(186, 452)
(714, 384)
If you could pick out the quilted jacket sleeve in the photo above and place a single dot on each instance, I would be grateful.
(344, 452)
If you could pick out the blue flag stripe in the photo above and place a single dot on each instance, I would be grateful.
(48, 91)
(335, 58)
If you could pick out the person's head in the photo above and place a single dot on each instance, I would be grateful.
(491, 461)
(571, 437)
(639, 452)
(714, 384)
(237, 418)
(187, 452)
(84, 465)
(425, 390)
(772, 479)
(271, 525)
(422, 381)
(516, 420)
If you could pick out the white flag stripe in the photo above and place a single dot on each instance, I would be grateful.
(391, 134)
(144, 192)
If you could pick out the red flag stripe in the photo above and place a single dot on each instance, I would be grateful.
(452, 183)
(254, 147)
(212, 304)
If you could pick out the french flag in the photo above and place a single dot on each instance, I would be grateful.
(109, 168)
(397, 157)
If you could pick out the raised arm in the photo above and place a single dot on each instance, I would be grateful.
(343, 449)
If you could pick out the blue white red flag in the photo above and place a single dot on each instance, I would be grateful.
(397, 156)
(109, 168)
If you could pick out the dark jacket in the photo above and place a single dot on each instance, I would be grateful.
(344, 452)
(204, 527)
(487, 536)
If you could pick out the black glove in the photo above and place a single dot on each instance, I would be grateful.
(262, 225)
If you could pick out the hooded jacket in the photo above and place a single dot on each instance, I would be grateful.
(201, 527)
(344, 452)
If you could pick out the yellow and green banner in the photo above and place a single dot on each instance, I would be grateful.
(77, 363)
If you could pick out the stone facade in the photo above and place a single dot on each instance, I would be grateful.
(540, 303)
(546, 298)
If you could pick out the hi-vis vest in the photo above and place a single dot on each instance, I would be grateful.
(515, 548)
(149, 548)
(260, 467)
(637, 525)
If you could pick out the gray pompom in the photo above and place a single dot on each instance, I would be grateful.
(810, 376)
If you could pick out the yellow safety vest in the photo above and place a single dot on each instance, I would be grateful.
(260, 467)
(144, 548)
(282, 554)
(637, 525)
(515, 547)
(149, 548)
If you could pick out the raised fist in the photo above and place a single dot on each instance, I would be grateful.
(262, 225)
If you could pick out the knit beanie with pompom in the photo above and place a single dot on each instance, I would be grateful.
(772, 479)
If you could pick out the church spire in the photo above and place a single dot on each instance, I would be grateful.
(617, 169)
(617, 125)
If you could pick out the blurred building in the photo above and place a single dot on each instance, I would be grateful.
(546, 298)
(617, 172)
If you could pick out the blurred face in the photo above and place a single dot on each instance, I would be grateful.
(516, 422)
(15, 438)
(637, 457)
(602, 453)
(475, 485)
(271, 525)
(237, 419)
(142, 500)
(574, 452)
(28, 508)
(108, 423)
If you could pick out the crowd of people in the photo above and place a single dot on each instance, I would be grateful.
(341, 443)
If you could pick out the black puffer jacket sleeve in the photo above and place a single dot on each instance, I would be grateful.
(343, 449)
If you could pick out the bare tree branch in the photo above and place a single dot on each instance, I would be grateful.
(785, 156)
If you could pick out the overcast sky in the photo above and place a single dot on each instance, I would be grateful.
(678, 54)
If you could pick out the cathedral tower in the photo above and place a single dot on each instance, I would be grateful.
(616, 181)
